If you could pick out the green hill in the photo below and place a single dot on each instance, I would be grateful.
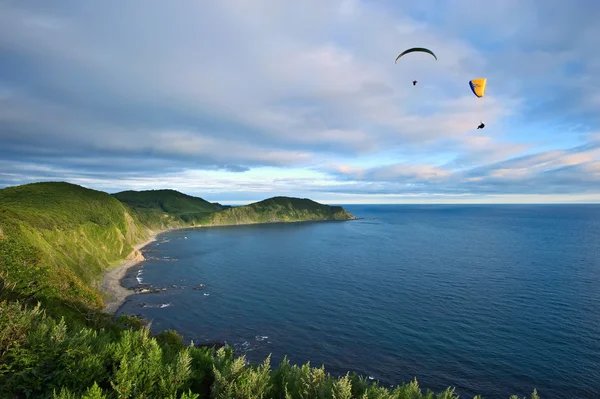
(278, 209)
(69, 234)
(150, 204)
(169, 201)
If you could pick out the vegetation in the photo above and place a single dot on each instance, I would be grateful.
(56, 239)
(44, 358)
(179, 207)
(222, 206)
(278, 209)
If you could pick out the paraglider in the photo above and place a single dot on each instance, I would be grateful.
(412, 50)
(478, 88)
(415, 49)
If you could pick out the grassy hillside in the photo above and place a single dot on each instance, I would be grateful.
(153, 205)
(58, 238)
(278, 209)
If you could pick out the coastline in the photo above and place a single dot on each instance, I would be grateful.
(111, 280)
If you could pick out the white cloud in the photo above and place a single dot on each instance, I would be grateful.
(236, 84)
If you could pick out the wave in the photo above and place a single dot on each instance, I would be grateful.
(247, 346)
(159, 306)
(138, 276)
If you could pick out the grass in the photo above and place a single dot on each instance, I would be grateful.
(167, 201)
(278, 209)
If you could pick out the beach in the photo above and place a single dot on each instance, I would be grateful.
(111, 283)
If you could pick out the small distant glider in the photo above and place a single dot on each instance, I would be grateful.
(415, 49)
(478, 88)
(419, 49)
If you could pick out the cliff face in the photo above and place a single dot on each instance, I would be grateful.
(59, 238)
(136, 256)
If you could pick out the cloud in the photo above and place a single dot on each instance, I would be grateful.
(148, 89)
(548, 172)
(394, 172)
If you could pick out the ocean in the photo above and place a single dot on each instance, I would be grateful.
(490, 299)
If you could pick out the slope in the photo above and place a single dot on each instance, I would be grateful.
(151, 205)
(278, 209)
(59, 237)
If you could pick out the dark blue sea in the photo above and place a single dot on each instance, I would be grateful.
(495, 300)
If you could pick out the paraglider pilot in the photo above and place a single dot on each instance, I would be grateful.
(414, 82)
(481, 126)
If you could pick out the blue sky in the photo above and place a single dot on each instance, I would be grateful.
(236, 100)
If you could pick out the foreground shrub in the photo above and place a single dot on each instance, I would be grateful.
(41, 357)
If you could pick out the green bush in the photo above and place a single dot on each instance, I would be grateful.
(41, 357)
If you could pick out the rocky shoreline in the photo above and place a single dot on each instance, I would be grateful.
(111, 283)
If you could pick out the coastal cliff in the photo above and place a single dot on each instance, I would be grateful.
(71, 235)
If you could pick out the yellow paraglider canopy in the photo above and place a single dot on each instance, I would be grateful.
(478, 86)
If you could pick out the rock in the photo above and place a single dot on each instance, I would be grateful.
(149, 290)
(136, 256)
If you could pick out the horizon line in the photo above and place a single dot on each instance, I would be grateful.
(332, 203)
(392, 199)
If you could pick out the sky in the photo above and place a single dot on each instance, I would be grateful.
(236, 101)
